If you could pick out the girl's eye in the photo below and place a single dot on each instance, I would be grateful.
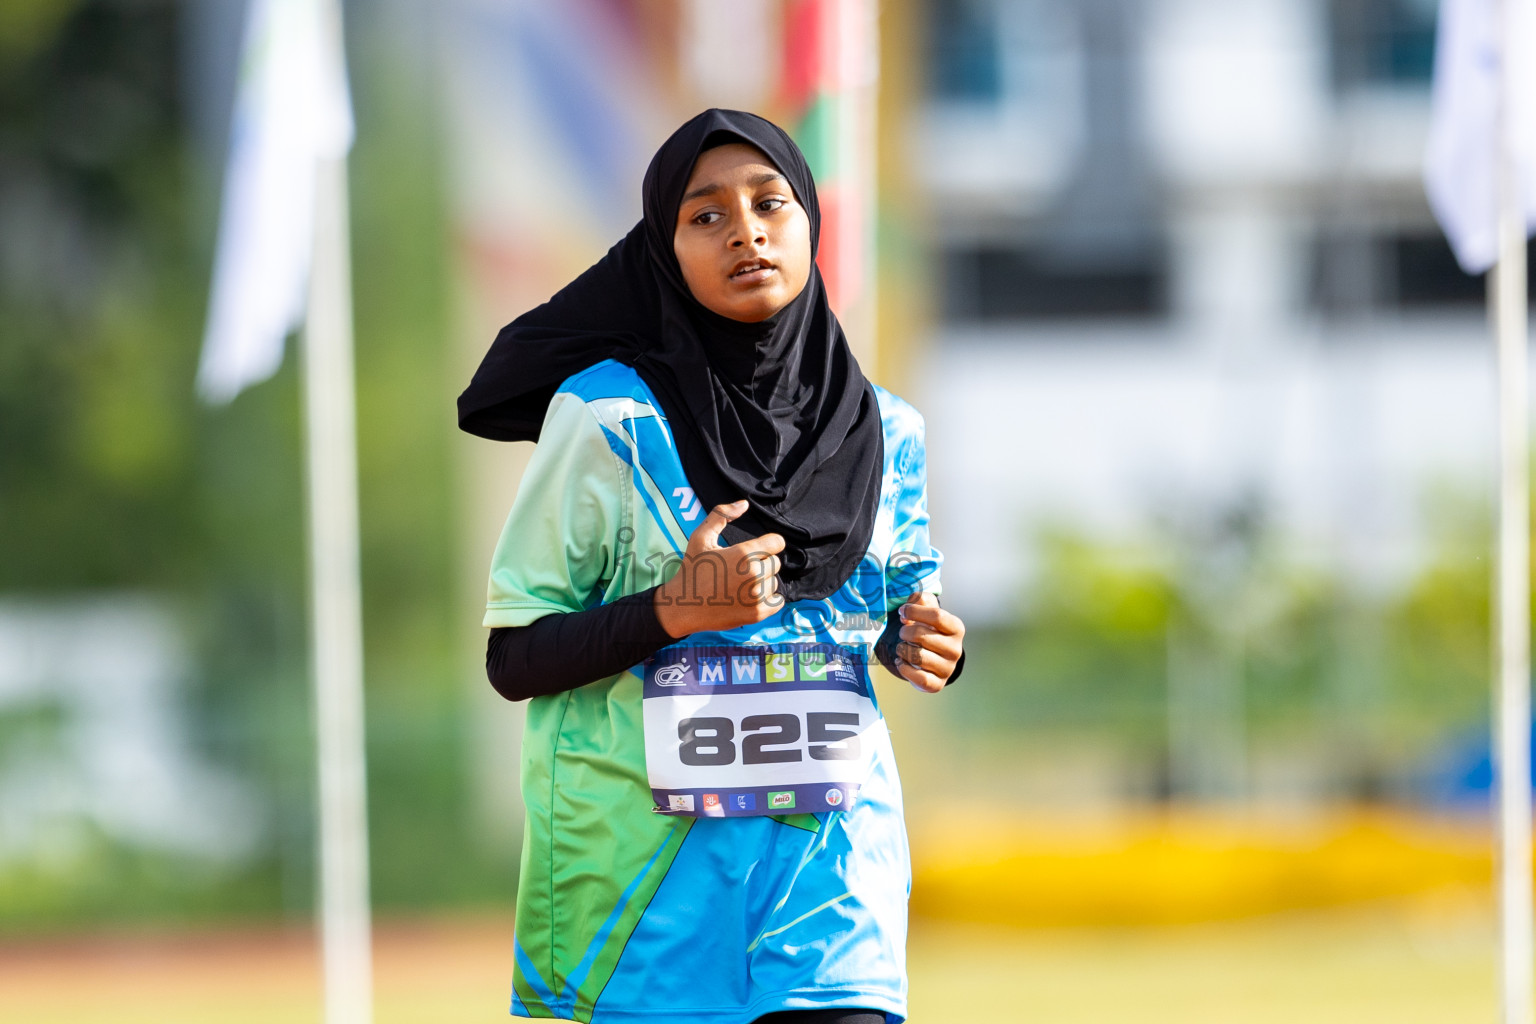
(770, 204)
(707, 217)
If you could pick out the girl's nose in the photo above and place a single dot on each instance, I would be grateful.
(751, 232)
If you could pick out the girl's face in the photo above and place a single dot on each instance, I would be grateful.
(742, 240)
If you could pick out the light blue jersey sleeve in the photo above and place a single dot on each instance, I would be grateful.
(914, 564)
(557, 552)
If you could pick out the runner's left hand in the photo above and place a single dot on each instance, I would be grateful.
(931, 642)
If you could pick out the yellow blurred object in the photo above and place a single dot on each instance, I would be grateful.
(1187, 865)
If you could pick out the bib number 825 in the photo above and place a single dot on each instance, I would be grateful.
(769, 739)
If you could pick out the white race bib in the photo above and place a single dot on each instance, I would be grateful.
(760, 729)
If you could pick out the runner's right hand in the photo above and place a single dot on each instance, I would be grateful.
(719, 588)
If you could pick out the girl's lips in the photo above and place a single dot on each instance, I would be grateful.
(757, 276)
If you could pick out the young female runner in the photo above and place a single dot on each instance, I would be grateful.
(717, 523)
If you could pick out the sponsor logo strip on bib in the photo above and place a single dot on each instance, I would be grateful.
(755, 669)
(745, 803)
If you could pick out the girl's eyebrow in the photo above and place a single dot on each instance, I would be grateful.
(754, 181)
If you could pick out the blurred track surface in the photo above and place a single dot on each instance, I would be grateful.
(1430, 961)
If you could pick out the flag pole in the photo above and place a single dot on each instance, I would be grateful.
(1508, 284)
(336, 602)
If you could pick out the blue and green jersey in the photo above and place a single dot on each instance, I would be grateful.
(624, 914)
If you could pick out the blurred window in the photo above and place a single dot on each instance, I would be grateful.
(1037, 107)
(1382, 42)
(965, 57)
(1362, 273)
(992, 284)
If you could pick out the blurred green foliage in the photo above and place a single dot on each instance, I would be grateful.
(1374, 682)
(113, 478)
(1087, 648)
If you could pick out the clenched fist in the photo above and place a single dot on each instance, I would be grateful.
(931, 643)
(717, 587)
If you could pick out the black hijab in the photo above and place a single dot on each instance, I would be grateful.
(777, 412)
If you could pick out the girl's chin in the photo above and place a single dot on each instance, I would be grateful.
(748, 309)
(746, 318)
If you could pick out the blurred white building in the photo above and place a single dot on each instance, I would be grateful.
(1184, 257)
(101, 744)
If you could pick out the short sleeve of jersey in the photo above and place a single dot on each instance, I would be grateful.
(914, 564)
(558, 548)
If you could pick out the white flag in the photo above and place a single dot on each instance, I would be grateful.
(1461, 165)
(292, 110)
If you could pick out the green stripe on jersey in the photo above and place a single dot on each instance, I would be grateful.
(593, 854)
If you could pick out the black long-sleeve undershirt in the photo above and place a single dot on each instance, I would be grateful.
(565, 650)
